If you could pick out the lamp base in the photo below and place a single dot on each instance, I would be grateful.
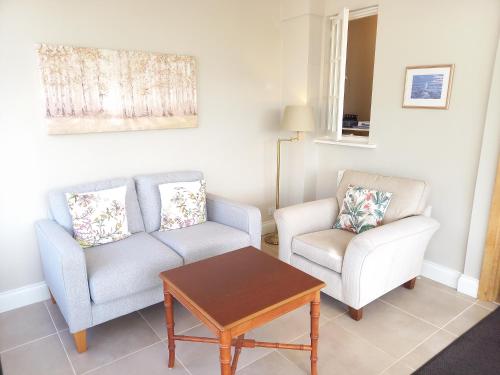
(272, 239)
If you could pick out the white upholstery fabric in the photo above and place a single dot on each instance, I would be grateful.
(375, 261)
(303, 218)
(409, 196)
(203, 240)
(126, 267)
(383, 258)
(326, 247)
(332, 279)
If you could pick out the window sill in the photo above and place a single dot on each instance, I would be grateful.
(360, 142)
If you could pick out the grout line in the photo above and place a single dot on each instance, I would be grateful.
(412, 315)
(60, 340)
(120, 358)
(289, 360)
(183, 365)
(457, 316)
(27, 343)
(452, 291)
(149, 325)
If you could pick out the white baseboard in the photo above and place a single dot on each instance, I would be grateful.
(268, 226)
(468, 285)
(12, 299)
(440, 274)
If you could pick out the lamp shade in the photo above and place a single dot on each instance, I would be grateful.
(298, 118)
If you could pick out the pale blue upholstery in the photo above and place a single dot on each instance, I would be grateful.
(59, 211)
(126, 267)
(149, 194)
(97, 284)
(203, 240)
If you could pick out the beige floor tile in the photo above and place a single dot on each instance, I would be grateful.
(330, 307)
(432, 304)
(287, 327)
(155, 316)
(435, 284)
(398, 369)
(428, 349)
(110, 341)
(56, 315)
(272, 364)
(487, 305)
(341, 352)
(25, 324)
(203, 359)
(467, 320)
(42, 357)
(150, 361)
(388, 328)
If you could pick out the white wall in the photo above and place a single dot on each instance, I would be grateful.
(237, 44)
(440, 146)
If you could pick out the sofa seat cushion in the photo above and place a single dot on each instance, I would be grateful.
(203, 240)
(326, 248)
(129, 266)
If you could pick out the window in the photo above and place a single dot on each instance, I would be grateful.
(350, 75)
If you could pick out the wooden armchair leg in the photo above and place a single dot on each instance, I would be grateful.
(356, 314)
(80, 339)
(410, 284)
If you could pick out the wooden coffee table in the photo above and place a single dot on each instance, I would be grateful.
(236, 292)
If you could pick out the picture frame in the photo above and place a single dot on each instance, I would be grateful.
(428, 86)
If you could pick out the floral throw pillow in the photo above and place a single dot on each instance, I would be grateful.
(182, 204)
(362, 209)
(99, 217)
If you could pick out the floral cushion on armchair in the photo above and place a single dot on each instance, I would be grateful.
(99, 217)
(362, 209)
(182, 204)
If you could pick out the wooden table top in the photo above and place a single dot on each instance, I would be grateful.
(236, 286)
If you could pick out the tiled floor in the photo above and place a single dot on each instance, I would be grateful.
(398, 333)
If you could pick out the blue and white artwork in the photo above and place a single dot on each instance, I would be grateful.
(427, 86)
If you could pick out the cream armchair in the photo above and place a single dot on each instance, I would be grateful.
(359, 268)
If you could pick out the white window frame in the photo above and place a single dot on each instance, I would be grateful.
(337, 68)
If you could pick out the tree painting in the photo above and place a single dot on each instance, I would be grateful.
(98, 90)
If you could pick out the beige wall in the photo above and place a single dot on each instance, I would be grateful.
(440, 146)
(359, 67)
(237, 44)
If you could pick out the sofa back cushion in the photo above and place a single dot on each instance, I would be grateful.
(59, 210)
(409, 197)
(149, 194)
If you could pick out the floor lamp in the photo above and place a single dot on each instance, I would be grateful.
(296, 118)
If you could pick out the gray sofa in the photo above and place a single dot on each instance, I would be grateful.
(97, 284)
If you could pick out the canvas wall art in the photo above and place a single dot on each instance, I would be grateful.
(428, 86)
(102, 90)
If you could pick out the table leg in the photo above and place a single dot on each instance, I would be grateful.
(169, 315)
(225, 341)
(237, 351)
(315, 333)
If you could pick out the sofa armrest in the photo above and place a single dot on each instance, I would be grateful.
(380, 259)
(65, 272)
(303, 218)
(237, 215)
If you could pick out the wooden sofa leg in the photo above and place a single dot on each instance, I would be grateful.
(356, 314)
(52, 299)
(80, 341)
(410, 284)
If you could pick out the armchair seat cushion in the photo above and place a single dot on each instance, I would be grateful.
(128, 266)
(326, 247)
(203, 240)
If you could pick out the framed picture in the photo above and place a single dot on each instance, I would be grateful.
(428, 86)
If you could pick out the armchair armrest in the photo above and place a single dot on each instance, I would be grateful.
(303, 218)
(237, 215)
(380, 259)
(65, 272)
